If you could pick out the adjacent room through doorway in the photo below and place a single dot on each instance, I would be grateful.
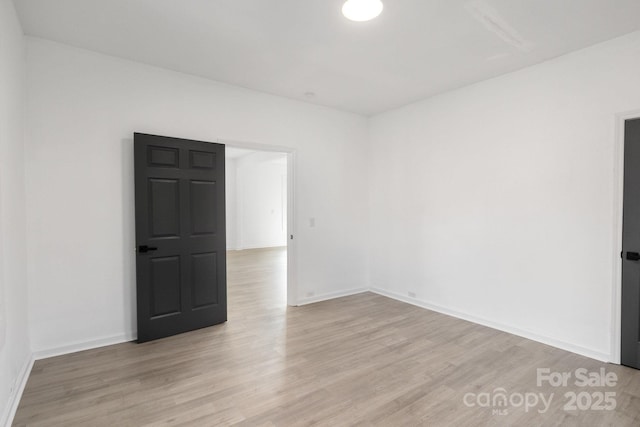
(256, 204)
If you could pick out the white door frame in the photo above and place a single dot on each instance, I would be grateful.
(618, 198)
(292, 250)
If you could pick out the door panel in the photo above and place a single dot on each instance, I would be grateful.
(630, 351)
(202, 160)
(165, 286)
(180, 234)
(164, 209)
(204, 266)
(203, 207)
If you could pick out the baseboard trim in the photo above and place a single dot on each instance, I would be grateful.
(84, 345)
(242, 248)
(14, 398)
(331, 295)
(563, 345)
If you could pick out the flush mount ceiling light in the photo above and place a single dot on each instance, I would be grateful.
(361, 10)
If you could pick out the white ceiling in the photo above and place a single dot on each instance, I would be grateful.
(415, 49)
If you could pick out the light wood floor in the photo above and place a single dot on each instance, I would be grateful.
(359, 360)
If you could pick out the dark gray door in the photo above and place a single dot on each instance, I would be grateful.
(180, 234)
(630, 351)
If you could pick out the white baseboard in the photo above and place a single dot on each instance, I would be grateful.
(563, 345)
(14, 398)
(242, 248)
(84, 345)
(330, 295)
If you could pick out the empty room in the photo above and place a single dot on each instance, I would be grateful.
(320, 212)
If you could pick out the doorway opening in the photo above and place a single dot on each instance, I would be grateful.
(259, 198)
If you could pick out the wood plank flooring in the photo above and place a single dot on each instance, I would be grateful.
(358, 360)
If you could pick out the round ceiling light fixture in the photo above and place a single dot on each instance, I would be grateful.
(362, 10)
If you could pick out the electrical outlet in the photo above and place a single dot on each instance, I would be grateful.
(412, 294)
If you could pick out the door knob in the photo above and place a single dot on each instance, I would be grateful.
(143, 249)
(633, 256)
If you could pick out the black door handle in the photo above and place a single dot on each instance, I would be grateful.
(143, 249)
(633, 256)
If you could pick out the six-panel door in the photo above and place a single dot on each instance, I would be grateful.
(180, 234)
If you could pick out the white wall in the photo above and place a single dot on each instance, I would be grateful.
(15, 351)
(83, 108)
(260, 196)
(495, 201)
